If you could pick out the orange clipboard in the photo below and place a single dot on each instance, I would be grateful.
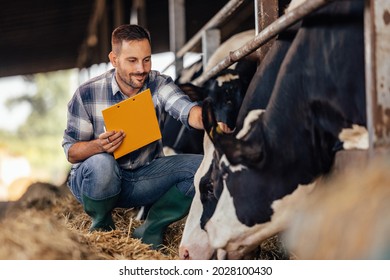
(136, 116)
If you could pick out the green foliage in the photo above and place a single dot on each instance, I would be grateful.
(39, 138)
(48, 115)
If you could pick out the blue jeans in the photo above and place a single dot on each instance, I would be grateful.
(100, 177)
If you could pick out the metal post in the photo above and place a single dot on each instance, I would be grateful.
(137, 13)
(377, 55)
(266, 12)
(177, 30)
(211, 40)
(218, 19)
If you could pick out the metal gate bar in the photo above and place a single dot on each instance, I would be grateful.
(264, 36)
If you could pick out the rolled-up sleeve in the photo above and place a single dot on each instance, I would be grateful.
(175, 102)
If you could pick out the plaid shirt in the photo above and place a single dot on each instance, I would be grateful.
(85, 119)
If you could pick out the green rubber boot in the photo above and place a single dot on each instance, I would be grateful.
(171, 207)
(100, 212)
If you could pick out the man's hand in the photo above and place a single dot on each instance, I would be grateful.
(111, 140)
(195, 120)
(107, 142)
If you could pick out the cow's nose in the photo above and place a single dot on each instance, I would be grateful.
(184, 254)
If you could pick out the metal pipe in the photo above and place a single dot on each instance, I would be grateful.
(219, 18)
(264, 36)
(214, 22)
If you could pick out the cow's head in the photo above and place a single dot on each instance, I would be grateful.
(236, 150)
(227, 89)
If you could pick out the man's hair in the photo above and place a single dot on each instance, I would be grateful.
(128, 32)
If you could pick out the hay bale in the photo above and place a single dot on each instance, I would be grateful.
(36, 235)
(345, 218)
(39, 196)
(18, 187)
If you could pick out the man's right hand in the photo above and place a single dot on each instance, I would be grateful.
(111, 140)
(106, 142)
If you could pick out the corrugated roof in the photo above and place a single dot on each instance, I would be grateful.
(48, 35)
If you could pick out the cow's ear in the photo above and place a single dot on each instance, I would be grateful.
(209, 121)
(195, 93)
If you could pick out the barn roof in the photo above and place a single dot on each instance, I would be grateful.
(47, 35)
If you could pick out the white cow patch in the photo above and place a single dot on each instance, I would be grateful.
(233, 168)
(354, 138)
(226, 78)
(168, 151)
(223, 222)
(249, 119)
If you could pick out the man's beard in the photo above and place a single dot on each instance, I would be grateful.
(132, 80)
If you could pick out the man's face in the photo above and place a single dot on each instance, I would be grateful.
(133, 63)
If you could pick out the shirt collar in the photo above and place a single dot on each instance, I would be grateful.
(114, 84)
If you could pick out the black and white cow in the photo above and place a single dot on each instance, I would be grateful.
(194, 243)
(319, 92)
(227, 89)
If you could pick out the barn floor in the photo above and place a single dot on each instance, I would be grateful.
(60, 231)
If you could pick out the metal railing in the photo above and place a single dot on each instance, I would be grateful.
(264, 36)
(214, 22)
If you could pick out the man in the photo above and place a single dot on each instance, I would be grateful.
(144, 177)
